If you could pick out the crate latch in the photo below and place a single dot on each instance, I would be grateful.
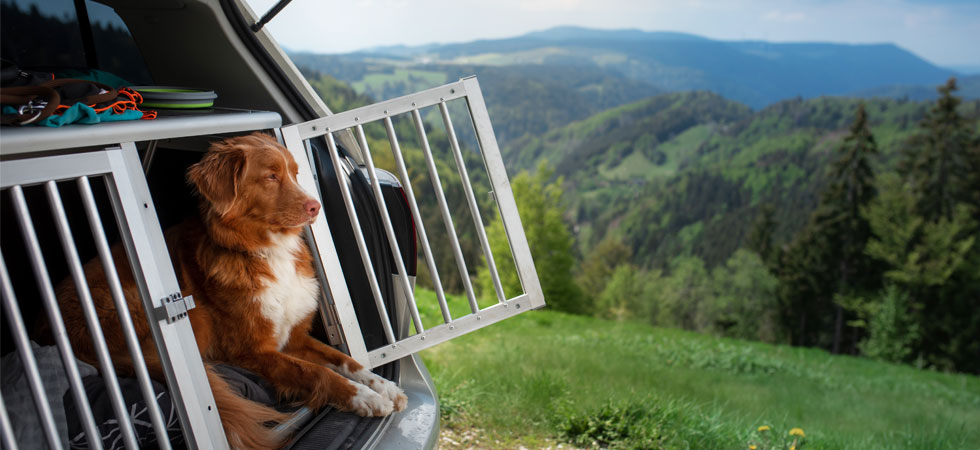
(333, 335)
(175, 307)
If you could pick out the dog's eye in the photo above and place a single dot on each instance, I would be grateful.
(272, 177)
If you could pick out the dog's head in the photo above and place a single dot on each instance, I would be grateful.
(253, 178)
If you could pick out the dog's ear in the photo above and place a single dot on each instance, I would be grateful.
(217, 176)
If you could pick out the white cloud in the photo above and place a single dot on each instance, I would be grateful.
(924, 17)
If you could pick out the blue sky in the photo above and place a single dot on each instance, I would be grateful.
(943, 32)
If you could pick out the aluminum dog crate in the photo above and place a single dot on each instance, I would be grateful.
(109, 155)
(73, 161)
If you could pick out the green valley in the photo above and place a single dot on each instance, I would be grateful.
(664, 198)
(691, 209)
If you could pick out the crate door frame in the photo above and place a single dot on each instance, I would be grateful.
(295, 138)
(149, 260)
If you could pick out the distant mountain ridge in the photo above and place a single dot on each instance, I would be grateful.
(756, 73)
(968, 88)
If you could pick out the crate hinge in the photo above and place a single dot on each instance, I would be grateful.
(175, 307)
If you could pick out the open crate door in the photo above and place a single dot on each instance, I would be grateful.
(433, 102)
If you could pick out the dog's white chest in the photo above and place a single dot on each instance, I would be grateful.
(288, 297)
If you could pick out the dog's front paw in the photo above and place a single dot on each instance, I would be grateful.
(391, 391)
(368, 403)
(385, 388)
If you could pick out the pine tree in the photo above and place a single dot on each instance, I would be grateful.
(943, 163)
(930, 246)
(760, 238)
(831, 247)
(936, 265)
(806, 286)
(854, 185)
(852, 188)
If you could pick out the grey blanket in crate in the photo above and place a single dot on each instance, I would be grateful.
(19, 401)
(246, 383)
(105, 418)
(26, 423)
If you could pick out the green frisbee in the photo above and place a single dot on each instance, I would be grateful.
(175, 97)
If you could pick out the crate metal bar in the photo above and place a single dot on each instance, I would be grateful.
(26, 172)
(19, 331)
(122, 308)
(471, 200)
(309, 179)
(91, 317)
(6, 429)
(447, 331)
(378, 111)
(417, 219)
(359, 237)
(326, 311)
(390, 232)
(332, 323)
(54, 317)
(503, 193)
(179, 358)
(332, 283)
(447, 218)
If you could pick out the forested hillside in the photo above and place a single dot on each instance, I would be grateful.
(832, 222)
(685, 173)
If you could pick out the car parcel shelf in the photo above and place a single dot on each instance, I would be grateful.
(168, 124)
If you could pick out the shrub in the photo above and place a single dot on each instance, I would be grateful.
(625, 295)
(891, 330)
(620, 426)
(744, 305)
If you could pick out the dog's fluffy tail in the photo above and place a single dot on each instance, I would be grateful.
(244, 420)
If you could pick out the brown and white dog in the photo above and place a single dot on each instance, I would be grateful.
(252, 279)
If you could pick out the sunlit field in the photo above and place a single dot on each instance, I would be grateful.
(546, 376)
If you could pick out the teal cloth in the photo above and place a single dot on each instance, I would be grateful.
(83, 114)
(99, 76)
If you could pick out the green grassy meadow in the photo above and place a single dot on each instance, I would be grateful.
(545, 376)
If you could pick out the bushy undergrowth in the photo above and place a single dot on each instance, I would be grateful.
(651, 423)
(628, 426)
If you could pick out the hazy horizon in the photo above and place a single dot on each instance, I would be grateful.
(943, 33)
(964, 69)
